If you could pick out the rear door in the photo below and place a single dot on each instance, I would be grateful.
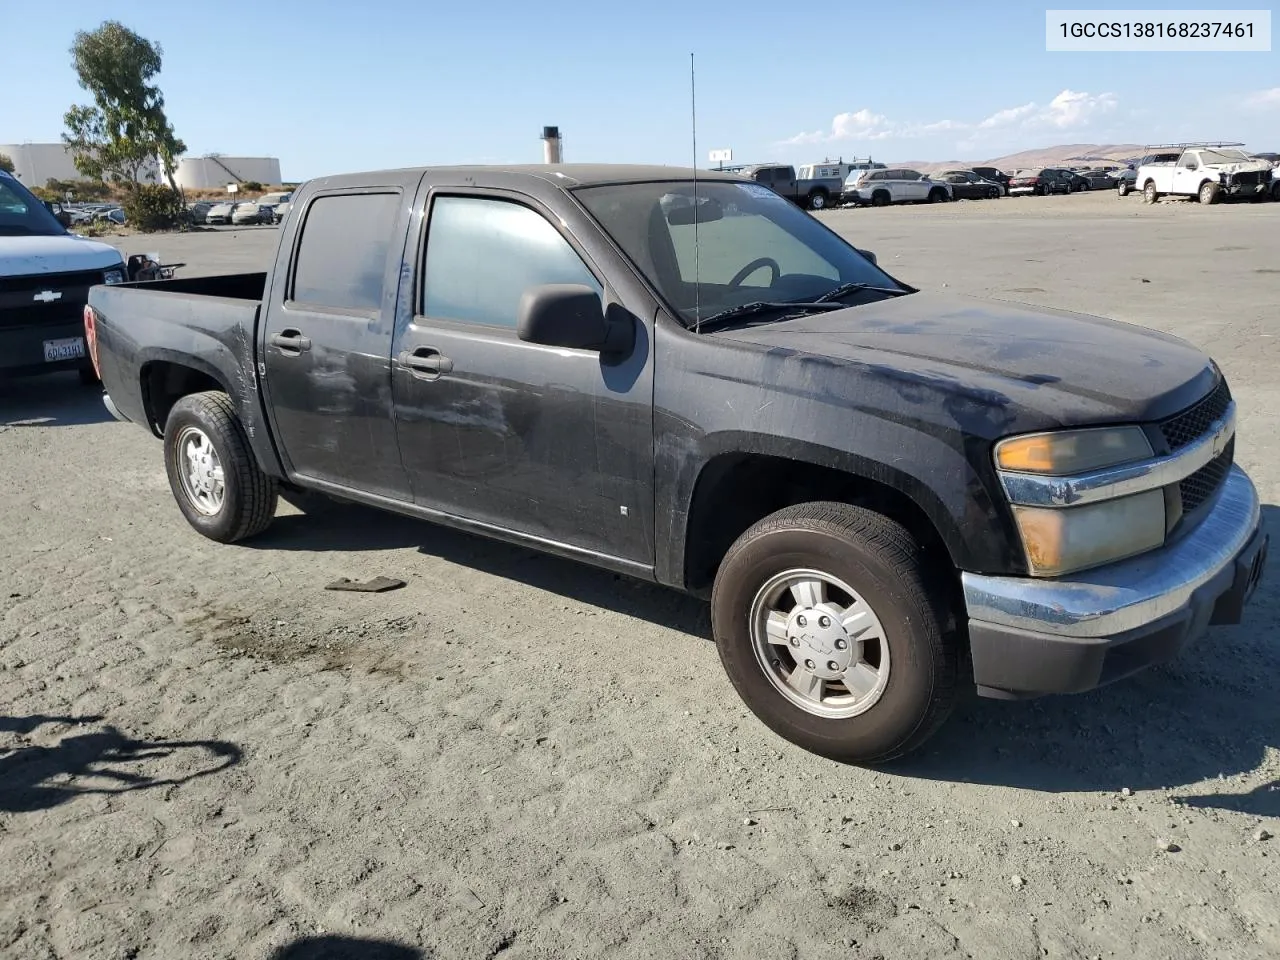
(552, 443)
(326, 339)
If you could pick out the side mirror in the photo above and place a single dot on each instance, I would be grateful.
(571, 315)
(1192, 166)
(868, 254)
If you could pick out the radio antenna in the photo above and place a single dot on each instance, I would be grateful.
(697, 263)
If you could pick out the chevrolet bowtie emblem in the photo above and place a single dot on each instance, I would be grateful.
(48, 296)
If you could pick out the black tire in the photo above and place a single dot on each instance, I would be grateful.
(882, 563)
(937, 195)
(818, 199)
(880, 199)
(89, 377)
(1275, 191)
(993, 193)
(248, 502)
(1209, 192)
(1122, 188)
(1149, 192)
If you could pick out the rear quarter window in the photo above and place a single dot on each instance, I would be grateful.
(342, 257)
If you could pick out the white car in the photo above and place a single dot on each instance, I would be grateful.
(1208, 172)
(220, 213)
(879, 188)
(251, 212)
(1127, 179)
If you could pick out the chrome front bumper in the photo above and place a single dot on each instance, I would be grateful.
(1033, 636)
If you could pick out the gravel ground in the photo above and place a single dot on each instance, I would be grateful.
(203, 754)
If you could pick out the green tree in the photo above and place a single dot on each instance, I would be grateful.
(125, 128)
(6, 163)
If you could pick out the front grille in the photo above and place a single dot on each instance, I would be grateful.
(49, 281)
(20, 308)
(1202, 484)
(1191, 424)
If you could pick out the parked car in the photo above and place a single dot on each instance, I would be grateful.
(782, 180)
(994, 175)
(45, 276)
(1041, 181)
(1208, 172)
(967, 185)
(249, 212)
(872, 484)
(1127, 178)
(1076, 181)
(220, 212)
(1099, 178)
(879, 188)
(279, 203)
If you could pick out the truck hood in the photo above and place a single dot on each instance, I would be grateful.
(24, 256)
(1043, 367)
(1242, 166)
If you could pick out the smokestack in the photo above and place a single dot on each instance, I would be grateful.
(551, 145)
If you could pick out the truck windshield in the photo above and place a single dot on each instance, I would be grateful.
(24, 214)
(752, 246)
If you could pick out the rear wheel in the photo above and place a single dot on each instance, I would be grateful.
(827, 628)
(817, 200)
(1149, 193)
(937, 195)
(1209, 192)
(212, 472)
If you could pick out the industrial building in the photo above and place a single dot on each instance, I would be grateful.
(35, 164)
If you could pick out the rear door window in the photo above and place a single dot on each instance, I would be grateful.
(342, 258)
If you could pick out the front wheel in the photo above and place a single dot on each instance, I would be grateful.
(827, 628)
(1122, 188)
(1209, 192)
(937, 196)
(218, 484)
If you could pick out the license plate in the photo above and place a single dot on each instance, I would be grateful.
(70, 348)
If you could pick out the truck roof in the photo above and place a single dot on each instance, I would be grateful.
(561, 174)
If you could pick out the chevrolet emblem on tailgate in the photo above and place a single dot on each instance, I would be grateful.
(48, 296)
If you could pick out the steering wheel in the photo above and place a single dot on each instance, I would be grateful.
(752, 267)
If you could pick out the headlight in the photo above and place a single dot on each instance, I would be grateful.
(1073, 451)
(1066, 539)
(113, 276)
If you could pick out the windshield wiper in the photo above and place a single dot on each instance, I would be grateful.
(766, 306)
(847, 288)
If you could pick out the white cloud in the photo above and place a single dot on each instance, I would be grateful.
(1067, 111)
(1264, 98)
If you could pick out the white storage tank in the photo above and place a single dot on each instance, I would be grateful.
(35, 164)
(214, 172)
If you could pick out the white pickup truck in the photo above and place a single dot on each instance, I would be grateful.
(1208, 172)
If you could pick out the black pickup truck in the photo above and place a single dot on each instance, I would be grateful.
(879, 489)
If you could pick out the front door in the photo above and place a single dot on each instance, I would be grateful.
(1187, 175)
(326, 346)
(549, 442)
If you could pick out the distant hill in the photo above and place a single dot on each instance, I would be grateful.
(1066, 154)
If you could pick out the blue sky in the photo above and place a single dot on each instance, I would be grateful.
(332, 87)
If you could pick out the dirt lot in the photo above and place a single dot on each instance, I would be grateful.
(203, 754)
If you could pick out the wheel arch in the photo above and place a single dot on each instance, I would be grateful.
(735, 488)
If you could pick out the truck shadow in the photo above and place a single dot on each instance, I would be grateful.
(346, 948)
(103, 762)
(55, 400)
(1210, 715)
(351, 527)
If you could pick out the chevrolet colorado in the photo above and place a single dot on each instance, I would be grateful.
(685, 378)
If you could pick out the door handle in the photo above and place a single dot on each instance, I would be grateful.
(426, 363)
(291, 342)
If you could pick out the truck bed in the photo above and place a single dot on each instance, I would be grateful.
(205, 324)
